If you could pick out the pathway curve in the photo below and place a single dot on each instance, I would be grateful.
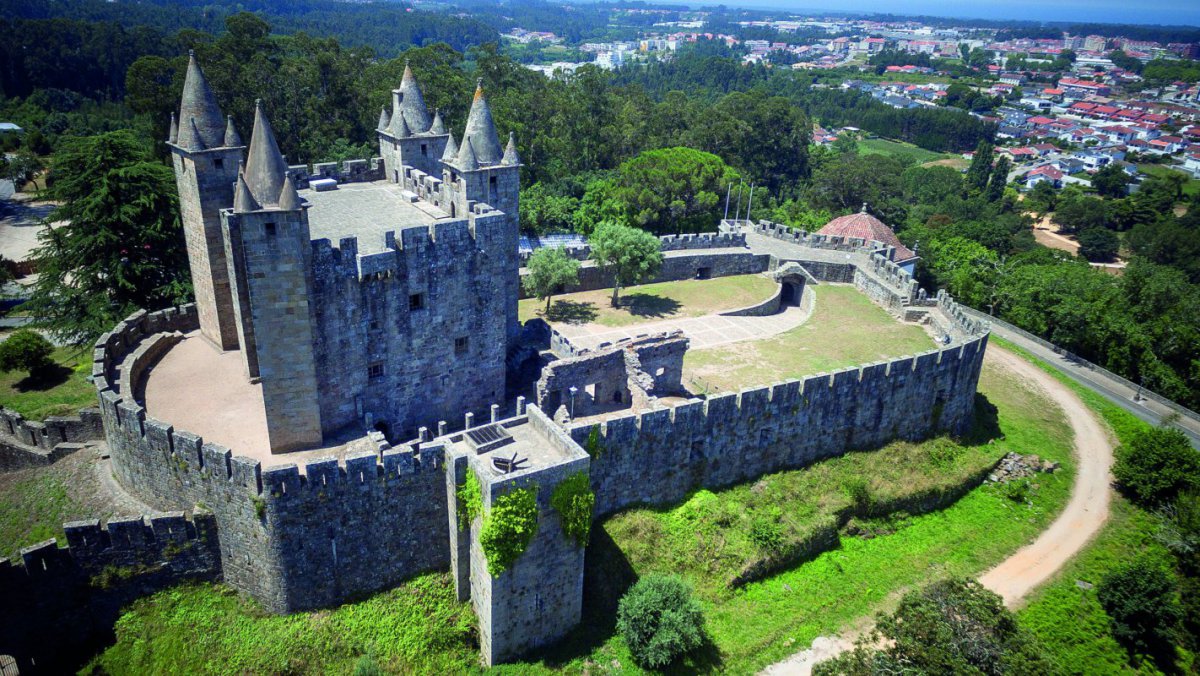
(1035, 563)
(704, 332)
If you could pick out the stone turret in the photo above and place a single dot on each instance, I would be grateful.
(408, 99)
(481, 130)
(206, 151)
(407, 136)
(269, 244)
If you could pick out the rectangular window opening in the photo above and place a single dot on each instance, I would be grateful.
(375, 371)
(460, 345)
(270, 229)
(218, 163)
(416, 301)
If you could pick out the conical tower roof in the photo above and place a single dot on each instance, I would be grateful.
(384, 120)
(173, 130)
(450, 154)
(412, 102)
(265, 167)
(243, 201)
(511, 158)
(481, 130)
(467, 159)
(438, 127)
(189, 136)
(289, 199)
(399, 126)
(232, 138)
(198, 103)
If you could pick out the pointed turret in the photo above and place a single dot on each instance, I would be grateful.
(399, 127)
(384, 120)
(409, 100)
(243, 201)
(481, 130)
(173, 131)
(198, 103)
(438, 127)
(467, 159)
(265, 167)
(451, 152)
(289, 199)
(232, 138)
(511, 158)
(189, 136)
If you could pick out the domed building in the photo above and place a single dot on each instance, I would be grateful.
(865, 226)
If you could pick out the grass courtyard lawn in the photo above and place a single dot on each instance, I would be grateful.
(882, 146)
(418, 627)
(1190, 189)
(63, 392)
(652, 302)
(846, 328)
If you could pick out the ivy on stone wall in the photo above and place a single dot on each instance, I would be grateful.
(508, 528)
(471, 497)
(594, 448)
(573, 499)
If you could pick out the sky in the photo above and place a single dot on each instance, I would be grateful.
(1166, 12)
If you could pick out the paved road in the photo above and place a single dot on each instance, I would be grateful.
(1082, 518)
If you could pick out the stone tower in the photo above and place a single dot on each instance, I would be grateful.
(268, 242)
(407, 135)
(206, 152)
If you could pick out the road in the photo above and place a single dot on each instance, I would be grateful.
(1032, 565)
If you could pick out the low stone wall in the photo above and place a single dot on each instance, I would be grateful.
(59, 604)
(349, 171)
(675, 268)
(733, 240)
(761, 309)
(30, 443)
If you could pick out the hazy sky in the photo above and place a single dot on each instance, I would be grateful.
(1168, 12)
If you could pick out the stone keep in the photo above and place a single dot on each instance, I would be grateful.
(390, 304)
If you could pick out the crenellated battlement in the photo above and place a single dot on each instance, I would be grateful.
(346, 171)
(731, 240)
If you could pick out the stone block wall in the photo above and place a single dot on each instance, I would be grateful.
(348, 171)
(674, 268)
(58, 605)
(732, 240)
(32, 443)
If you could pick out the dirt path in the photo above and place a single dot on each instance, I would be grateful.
(1084, 516)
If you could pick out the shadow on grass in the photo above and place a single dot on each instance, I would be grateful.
(571, 312)
(986, 425)
(649, 305)
(44, 379)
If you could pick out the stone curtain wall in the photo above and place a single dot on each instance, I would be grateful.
(350, 171)
(674, 268)
(29, 443)
(57, 606)
(659, 456)
(669, 243)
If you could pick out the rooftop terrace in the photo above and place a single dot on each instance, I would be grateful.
(367, 211)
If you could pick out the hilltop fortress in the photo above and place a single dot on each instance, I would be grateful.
(354, 355)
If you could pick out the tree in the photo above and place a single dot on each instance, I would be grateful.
(631, 254)
(1157, 465)
(25, 350)
(674, 189)
(1110, 181)
(549, 270)
(543, 211)
(999, 179)
(950, 627)
(24, 166)
(1140, 598)
(117, 246)
(981, 166)
(1081, 213)
(660, 620)
(1098, 244)
(1042, 197)
(963, 267)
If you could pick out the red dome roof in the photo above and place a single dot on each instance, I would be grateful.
(865, 226)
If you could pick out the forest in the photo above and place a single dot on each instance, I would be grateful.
(657, 146)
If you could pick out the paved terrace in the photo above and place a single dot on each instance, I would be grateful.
(366, 211)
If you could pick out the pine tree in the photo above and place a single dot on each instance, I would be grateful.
(981, 166)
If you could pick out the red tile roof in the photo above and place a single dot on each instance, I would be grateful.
(865, 226)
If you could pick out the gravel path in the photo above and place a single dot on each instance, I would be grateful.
(707, 331)
(1035, 563)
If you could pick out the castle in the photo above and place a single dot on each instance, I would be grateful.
(393, 301)
(351, 361)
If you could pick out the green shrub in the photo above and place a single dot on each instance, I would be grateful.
(25, 350)
(1156, 466)
(660, 620)
(573, 499)
(766, 534)
(367, 666)
(1017, 490)
(1141, 601)
(859, 492)
(508, 528)
(594, 448)
(470, 494)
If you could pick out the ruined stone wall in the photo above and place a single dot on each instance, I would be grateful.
(58, 605)
(32, 443)
(658, 456)
(416, 334)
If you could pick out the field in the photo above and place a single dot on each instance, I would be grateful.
(63, 391)
(865, 333)
(652, 302)
(1190, 189)
(880, 146)
(210, 631)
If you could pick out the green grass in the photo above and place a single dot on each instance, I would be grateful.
(63, 392)
(1065, 617)
(33, 508)
(1190, 189)
(652, 302)
(845, 329)
(207, 629)
(881, 146)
